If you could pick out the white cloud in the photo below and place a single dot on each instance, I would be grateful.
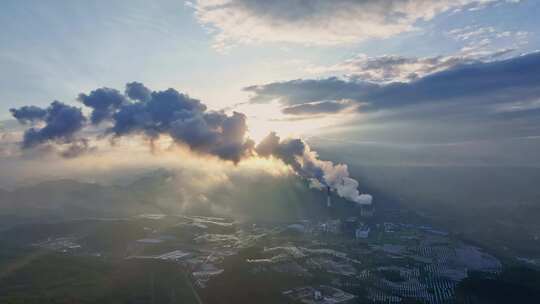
(316, 22)
(480, 41)
(393, 68)
(469, 32)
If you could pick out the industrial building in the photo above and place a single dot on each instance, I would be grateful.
(319, 295)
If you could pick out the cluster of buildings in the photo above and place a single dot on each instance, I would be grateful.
(402, 261)
(352, 227)
(319, 295)
(61, 244)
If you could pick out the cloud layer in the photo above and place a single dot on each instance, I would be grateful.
(392, 68)
(185, 120)
(475, 86)
(318, 22)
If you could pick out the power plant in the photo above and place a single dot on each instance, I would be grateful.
(328, 200)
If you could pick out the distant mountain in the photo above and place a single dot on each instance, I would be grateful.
(262, 198)
(69, 199)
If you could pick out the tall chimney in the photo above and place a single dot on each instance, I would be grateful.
(328, 200)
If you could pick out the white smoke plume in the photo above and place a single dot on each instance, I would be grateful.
(306, 163)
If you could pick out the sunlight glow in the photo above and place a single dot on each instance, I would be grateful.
(264, 118)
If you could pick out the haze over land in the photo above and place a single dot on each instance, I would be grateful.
(276, 112)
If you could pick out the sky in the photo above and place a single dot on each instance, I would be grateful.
(451, 78)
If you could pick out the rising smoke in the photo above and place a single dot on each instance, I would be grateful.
(187, 121)
(305, 162)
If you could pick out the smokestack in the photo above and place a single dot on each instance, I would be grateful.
(328, 200)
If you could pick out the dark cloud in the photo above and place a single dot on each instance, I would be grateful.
(317, 108)
(195, 132)
(295, 152)
(156, 115)
(287, 150)
(508, 80)
(469, 85)
(301, 91)
(61, 124)
(28, 114)
(170, 105)
(187, 122)
(215, 133)
(172, 113)
(291, 152)
(103, 101)
(232, 144)
(132, 118)
(185, 119)
(226, 138)
(137, 91)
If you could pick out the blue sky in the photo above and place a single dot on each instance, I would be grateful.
(56, 49)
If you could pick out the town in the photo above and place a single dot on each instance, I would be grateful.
(333, 260)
